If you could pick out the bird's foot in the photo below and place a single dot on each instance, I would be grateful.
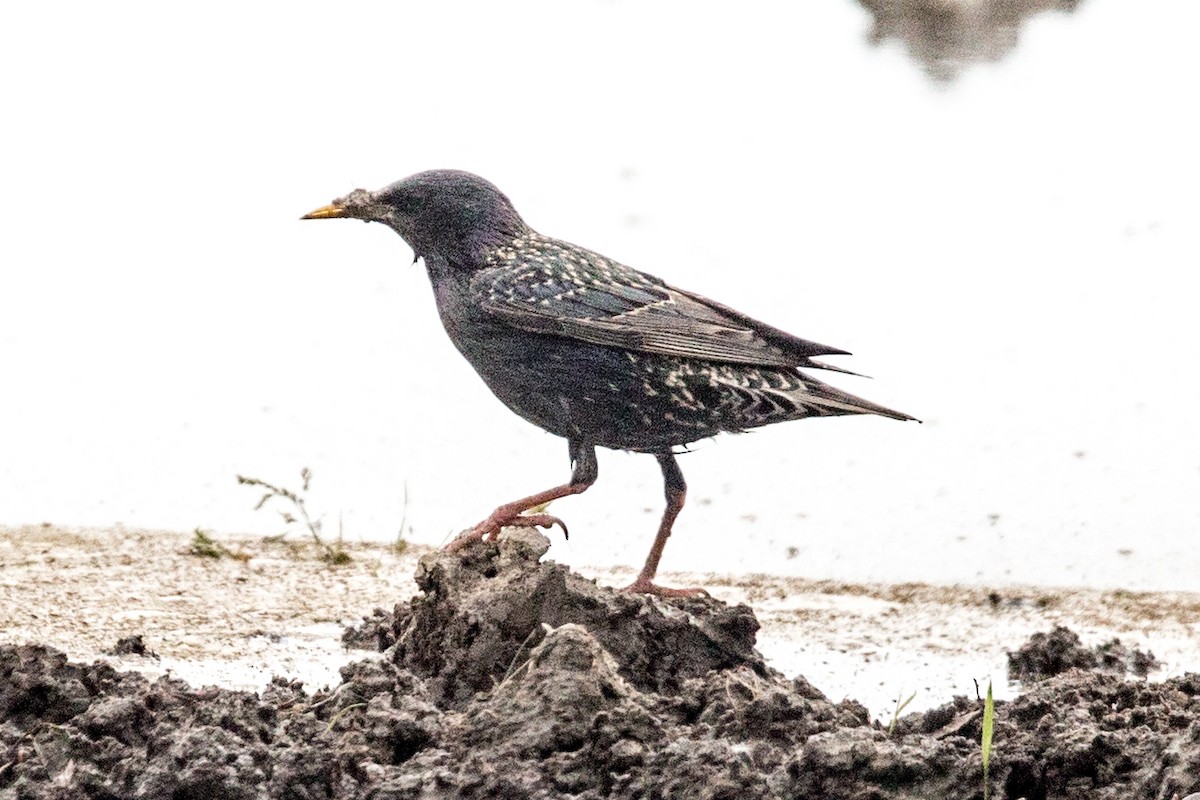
(647, 586)
(490, 528)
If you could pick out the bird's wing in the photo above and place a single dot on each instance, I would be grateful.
(557, 288)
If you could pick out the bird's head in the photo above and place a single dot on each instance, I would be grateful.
(447, 213)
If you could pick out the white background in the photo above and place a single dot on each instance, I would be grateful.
(1012, 257)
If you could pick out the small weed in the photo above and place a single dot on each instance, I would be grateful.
(900, 706)
(989, 722)
(400, 545)
(332, 554)
(204, 546)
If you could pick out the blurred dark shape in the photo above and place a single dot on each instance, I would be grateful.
(946, 36)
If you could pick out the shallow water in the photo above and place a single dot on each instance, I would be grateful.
(1002, 231)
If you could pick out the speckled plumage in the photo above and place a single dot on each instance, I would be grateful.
(588, 348)
(645, 366)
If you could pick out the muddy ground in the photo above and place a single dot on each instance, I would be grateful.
(512, 677)
(276, 608)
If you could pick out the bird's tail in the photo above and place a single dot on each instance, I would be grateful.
(820, 399)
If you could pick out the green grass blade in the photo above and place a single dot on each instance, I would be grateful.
(989, 722)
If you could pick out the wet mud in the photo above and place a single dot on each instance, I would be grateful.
(1048, 654)
(512, 678)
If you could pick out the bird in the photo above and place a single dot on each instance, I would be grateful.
(591, 350)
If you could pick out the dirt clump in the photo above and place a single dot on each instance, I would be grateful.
(1048, 654)
(132, 646)
(509, 677)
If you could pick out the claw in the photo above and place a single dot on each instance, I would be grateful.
(490, 529)
(539, 521)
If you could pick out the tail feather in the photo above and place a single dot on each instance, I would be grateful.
(810, 363)
(822, 399)
(750, 398)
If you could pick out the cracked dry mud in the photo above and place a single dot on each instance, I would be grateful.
(510, 678)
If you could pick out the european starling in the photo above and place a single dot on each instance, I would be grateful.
(590, 349)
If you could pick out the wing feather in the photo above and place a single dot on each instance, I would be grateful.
(588, 297)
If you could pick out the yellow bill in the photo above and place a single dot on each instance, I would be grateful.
(332, 211)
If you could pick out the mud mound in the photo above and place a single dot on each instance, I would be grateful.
(1048, 654)
(1099, 735)
(483, 612)
(510, 678)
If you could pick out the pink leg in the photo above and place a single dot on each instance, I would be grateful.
(676, 492)
(583, 475)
